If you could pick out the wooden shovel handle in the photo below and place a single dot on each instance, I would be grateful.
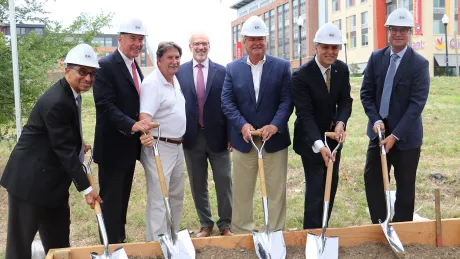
(97, 206)
(255, 132)
(327, 188)
(330, 134)
(263, 185)
(386, 181)
(161, 177)
(155, 125)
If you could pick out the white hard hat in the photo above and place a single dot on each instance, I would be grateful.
(254, 26)
(400, 17)
(133, 26)
(83, 55)
(328, 34)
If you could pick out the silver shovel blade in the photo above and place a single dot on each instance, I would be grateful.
(269, 246)
(182, 249)
(119, 253)
(316, 250)
(392, 238)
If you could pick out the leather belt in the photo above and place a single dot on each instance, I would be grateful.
(173, 141)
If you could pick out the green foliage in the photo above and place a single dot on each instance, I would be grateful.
(38, 54)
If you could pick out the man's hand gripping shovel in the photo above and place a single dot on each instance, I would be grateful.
(322, 246)
(119, 253)
(267, 244)
(174, 245)
(388, 230)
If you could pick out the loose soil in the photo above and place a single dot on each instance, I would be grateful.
(364, 251)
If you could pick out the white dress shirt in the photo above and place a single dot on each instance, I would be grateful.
(165, 103)
(75, 95)
(205, 69)
(129, 63)
(256, 71)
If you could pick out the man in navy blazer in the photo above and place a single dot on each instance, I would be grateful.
(393, 93)
(256, 95)
(116, 141)
(206, 135)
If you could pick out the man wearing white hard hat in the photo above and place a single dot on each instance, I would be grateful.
(257, 96)
(321, 94)
(393, 93)
(116, 143)
(47, 159)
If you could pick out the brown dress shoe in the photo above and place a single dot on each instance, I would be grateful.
(226, 232)
(204, 232)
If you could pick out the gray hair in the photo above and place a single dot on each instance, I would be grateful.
(165, 45)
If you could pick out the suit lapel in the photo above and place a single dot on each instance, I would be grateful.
(246, 73)
(319, 78)
(139, 71)
(189, 74)
(211, 74)
(66, 87)
(124, 69)
(385, 64)
(402, 66)
(334, 83)
(266, 72)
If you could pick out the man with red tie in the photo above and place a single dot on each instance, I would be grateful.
(116, 144)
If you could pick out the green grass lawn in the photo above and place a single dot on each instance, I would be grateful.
(439, 155)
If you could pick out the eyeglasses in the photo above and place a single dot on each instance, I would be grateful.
(329, 46)
(402, 31)
(197, 44)
(83, 72)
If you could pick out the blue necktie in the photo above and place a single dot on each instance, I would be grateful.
(388, 87)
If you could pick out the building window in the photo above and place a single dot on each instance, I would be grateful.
(338, 23)
(364, 30)
(363, 1)
(280, 32)
(408, 4)
(351, 29)
(234, 42)
(350, 3)
(286, 32)
(303, 48)
(438, 12)
(295, 29)
(108, 42)
(39, 31)
(335, 5)
(272, 32)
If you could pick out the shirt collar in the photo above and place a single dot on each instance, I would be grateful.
(163, 79)
(125, 58)
(75, 94)
(260, 62)
(323, 69)
(400, 54)
(205, 63)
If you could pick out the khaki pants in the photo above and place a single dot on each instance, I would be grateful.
(172, 159)
(245, 175)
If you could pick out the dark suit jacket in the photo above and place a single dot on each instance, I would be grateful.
(117, 109)
(410, 91)
(316, 109)
(273, 106)
(215, 122)
(45, 160)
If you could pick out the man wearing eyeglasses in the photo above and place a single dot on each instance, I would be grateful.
(47, 159)
(393, 93)
(206, 137)
(257, 95)
(321, 94)
(116, 141)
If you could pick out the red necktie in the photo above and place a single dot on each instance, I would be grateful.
(200, 91)
(136, 81)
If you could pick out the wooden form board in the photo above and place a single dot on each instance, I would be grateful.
(408, 232)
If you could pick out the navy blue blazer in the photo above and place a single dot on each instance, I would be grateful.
(410, 91)
(274, 104)
(117, 109)
(215, 122)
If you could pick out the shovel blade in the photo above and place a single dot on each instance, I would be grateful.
(269, 246)
(119, 253)
(392, 238)
(182, 249)
(315, 249)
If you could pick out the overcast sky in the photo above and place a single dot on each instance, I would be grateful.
(166, 20)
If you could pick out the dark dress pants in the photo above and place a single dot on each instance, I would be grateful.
(115, 190)
(405, 164)
(196, 159)
(315, 181)
(25, 219)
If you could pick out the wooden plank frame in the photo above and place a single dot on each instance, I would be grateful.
(409, 233)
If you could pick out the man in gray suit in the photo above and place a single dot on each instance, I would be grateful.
(206, 136)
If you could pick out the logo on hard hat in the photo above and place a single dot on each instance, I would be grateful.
(401, 17)
(256, 27)
(87, 56)
(331, 34)
(138, 27)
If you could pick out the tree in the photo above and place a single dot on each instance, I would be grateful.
(38, 54)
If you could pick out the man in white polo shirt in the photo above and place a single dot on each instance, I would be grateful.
(162, 101)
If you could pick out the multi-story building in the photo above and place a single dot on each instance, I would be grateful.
(362, 23)
(106, 43)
